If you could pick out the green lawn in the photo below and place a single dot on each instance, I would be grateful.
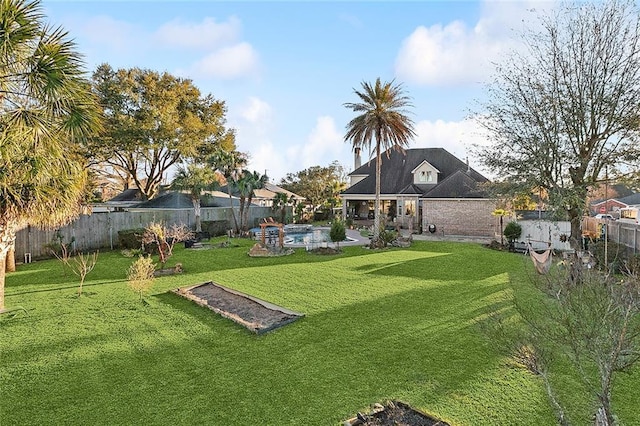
(394, 324)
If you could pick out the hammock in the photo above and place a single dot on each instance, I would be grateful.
(542, 261)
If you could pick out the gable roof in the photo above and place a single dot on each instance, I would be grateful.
(455, 178)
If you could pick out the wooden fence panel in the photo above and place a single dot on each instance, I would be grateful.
(620, 232)
(100, 230)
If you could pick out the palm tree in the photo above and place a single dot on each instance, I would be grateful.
(195, 179)
(46, 109)
(382, 119)
(230, 164)
(280, 202)
(247, 184)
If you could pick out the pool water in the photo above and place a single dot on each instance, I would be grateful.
(309, 237)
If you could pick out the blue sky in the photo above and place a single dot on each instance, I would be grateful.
(286, 68)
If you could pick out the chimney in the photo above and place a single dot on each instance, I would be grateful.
(357, 161)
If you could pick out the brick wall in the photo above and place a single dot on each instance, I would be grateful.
(467, 217)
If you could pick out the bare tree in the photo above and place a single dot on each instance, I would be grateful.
(82, 265)
(590, 318)
(565, 109)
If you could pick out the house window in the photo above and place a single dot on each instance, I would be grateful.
(425, 176)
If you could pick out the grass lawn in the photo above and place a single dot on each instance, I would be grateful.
(394, 324)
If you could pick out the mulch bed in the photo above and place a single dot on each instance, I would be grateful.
(255, 314)
(394, 413)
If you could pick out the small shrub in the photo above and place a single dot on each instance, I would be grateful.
(337, 232)
(140, 275)
(130, 238)
(512, 231)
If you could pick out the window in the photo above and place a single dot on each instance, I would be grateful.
(429, 176)
(423, 176)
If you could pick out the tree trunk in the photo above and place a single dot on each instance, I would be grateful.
(376, 212)
(196, 210)
(2, 276)
(233, 213)
(10, 261)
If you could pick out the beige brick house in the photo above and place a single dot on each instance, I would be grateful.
(428, 189)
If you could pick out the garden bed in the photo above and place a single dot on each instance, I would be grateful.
(394, 413)
(255, 314)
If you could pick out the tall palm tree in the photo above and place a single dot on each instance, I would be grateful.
(247, 184)
(196, 179)
(230, 164)
(46, 109)
(382, 119)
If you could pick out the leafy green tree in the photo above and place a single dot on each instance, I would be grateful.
(47, 108)
(195, 179)
(230, 164)
(154, 121)
(317, 184)
(565, 111)
(382, 121)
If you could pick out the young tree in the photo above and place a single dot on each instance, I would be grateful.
(140, 275)
(154, 121)
(593, 318)
(47, 108)
(563, 111)
(382, 120)
(81, 265)
(196, 179)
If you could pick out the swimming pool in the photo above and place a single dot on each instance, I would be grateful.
(308, 236)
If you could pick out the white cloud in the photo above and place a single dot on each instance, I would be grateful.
(447, 55)
(106, 32)
(231, 62)
(323, 145)
(457, 137)
(207, 34)
(257, 112)
(456, 53)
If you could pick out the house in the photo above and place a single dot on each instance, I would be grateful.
(425, 188)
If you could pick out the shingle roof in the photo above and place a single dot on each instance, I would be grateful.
(396, 177)
(630, 200)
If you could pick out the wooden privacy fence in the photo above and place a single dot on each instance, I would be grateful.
(619, 231)
(100, 230)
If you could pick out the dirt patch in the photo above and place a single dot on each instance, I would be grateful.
(394, 413)
(255, 314)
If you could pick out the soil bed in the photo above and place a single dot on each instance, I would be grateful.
(394, 414)
(255, 314)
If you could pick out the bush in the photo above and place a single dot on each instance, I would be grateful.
(130, 238)
(619, 256)
(337, 232)
(216, 228)
(512, 231)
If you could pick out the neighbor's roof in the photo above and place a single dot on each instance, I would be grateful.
(455, 180)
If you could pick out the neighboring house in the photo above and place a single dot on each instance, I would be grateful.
(264, 196)
(423, 187)
(613, 205)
